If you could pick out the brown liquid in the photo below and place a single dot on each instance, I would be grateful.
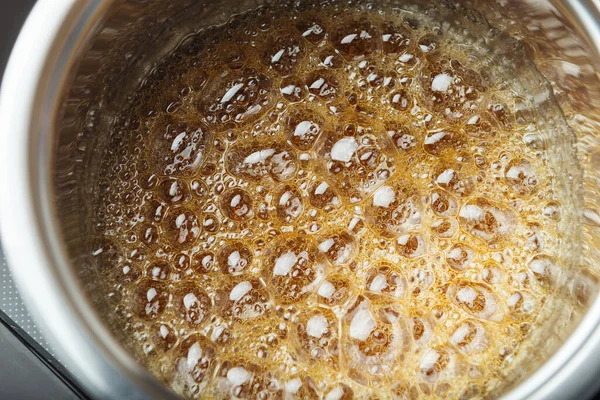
(339, 206)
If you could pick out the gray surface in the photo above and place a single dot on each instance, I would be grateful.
(24, 376)
(13, 306)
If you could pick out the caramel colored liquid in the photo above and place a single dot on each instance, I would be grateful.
(326, 204)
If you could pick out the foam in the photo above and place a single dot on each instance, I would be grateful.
(384, 169)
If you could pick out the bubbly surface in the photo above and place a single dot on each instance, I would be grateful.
(330, 203)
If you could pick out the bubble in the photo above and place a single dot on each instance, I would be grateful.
(435, 364)
(427, 43)
(359, 159)
(480, 126)
(239, 96)
(203, 262)
(243, 300)
(460, 257)
(293, 268)
(192, 303)
(476, 299)
(402, 137)
(341, 391)
(240, 378)
(444, 228)
(290, 204)
(411, 246)
(470, 337)
(323, 84)
(393, 211)
(302, 388)
(521, 305)
(234, 258)
(339, 248)
(210, 223)
(492, 274)
(179, 149)
(376, 340)
(336, 289)
(485, 220)
(395, 39)
(443, 204)
(322, 196)
(182, 227)
(330, 58)
(293, 89)
(236, 204)
(440, 141)
(283, 53)
(311, 29)
(149, 235)
(316, 336)
(401, 100)
(155, 210)
(255, 162)
(150, 299)
(422, 330)
(304, 128)
(195, 360)
(164, 337)
(159, 270)
(174, 191)
(355, 39)
(385, 280)
(545, 269)
(181, 261)
(521, 177)
(404, 391)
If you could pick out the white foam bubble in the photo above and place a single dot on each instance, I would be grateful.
(405, 57)
(317, 326)
(378, 284)
(233, 259)
(441, 83)
(349, 38)
(258, 156)
(277, 56)
(436, 137)
(467, 295)
(235, 200)
(151, 294)
(238, 376)
(303, 129)
(472, 212)
(194, 355)
(190, 300)
(445, 177)
(384, 196)
(293, 386)
(289, 89)
(284, 264)
(325, 245)
(429, 359)
(326, 290)
(231, 92)
(362, 325)
(240, 290)
(460, 334)
(164, 331)
(335, 393)
(513, 299)
(323, 186)
(344, 149)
